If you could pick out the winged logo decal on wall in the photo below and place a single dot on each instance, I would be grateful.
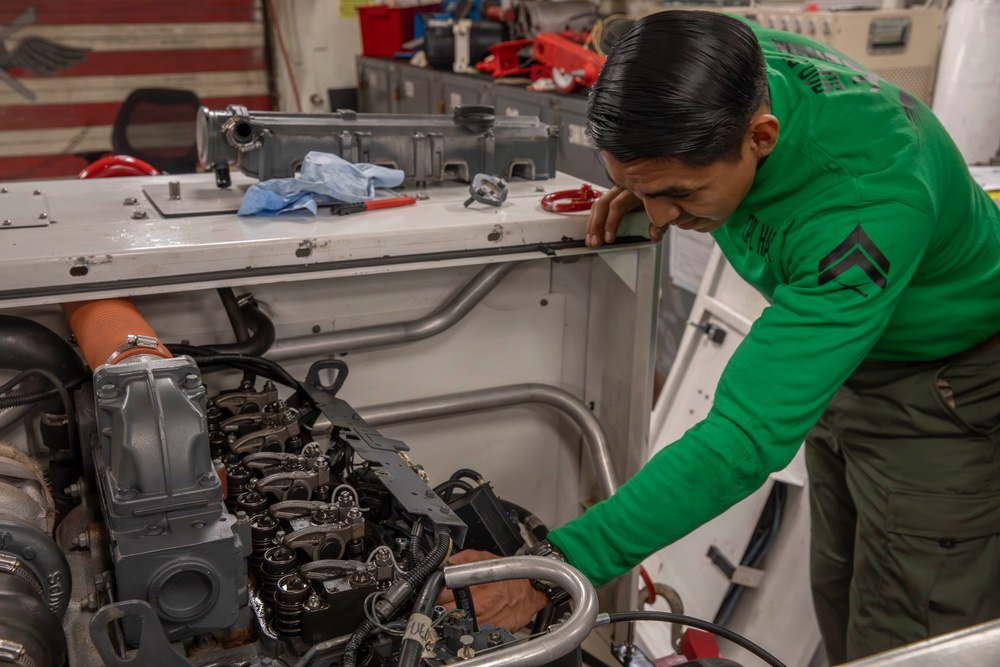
(35, 54)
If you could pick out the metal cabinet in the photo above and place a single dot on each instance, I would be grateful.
(576, 155)
(419, 90)
(377, 85)
(518, 101)
(459, 90)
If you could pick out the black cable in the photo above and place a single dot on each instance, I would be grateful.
(64, 396)
(442, 540)
(257, 344)
(463, 600)
(467, 473)
(26, 398)
(543, 619)
(265, 367)
(238, 323)
(414, 547)
(353, 644)
(592, 660)
(760, 543)
(410, 648)
(234, 313)
(445, 489)
(528, 519)
(690, 621)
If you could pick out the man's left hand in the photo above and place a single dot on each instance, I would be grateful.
(507, 604)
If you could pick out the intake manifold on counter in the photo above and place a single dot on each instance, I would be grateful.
(427, 148)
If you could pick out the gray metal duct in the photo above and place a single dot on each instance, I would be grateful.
(364, 338)
(594, 436)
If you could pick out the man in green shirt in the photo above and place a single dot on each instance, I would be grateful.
(841, 198)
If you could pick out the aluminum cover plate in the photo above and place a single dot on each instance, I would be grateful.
(23, 205)
(196, 199)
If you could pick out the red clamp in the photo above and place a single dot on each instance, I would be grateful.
(578, 200)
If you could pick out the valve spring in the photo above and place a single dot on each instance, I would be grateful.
(292, 591)
(263, 528)
(237, 478)
(252, 502)
(278, 561)
(322, 493)
(217, 443)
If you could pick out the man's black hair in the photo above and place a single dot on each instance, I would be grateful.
(681, 85)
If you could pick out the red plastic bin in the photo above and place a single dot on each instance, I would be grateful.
(384, 29)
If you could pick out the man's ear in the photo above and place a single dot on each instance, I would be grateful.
(763, 134)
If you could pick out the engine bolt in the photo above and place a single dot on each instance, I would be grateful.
(466, 651)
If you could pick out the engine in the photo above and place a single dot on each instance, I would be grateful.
(181, 521)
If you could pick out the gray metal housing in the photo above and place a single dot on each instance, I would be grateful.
(174, 544)
(427, 148)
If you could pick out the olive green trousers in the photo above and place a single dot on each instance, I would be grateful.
(904, 473)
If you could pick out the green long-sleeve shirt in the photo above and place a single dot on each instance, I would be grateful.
(870, 240)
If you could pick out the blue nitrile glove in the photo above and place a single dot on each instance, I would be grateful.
(324, 179)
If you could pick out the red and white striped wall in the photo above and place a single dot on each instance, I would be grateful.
(213, 47)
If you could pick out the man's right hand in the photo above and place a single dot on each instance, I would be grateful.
(607, 214)
(509, 604)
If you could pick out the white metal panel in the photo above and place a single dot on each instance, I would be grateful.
(779, 614)
(94, 242)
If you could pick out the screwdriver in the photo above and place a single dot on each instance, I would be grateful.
(373, 205)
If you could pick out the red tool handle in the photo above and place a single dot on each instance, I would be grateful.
(577, 200)
(392, 202)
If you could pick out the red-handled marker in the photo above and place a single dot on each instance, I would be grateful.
(373, 205)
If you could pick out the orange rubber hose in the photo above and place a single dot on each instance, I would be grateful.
(101, 327)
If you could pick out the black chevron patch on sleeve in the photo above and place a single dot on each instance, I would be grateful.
(851, 252)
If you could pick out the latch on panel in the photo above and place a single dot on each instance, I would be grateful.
(741, 575)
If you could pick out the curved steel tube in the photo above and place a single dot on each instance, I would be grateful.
(364, 338)
(563, 638)
(498, 397)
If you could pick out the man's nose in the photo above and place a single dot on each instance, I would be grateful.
(662, 211)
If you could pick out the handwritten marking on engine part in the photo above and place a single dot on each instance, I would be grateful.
(421, 629)
(512, 111)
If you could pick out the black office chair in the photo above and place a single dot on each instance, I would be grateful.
(157, 125)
